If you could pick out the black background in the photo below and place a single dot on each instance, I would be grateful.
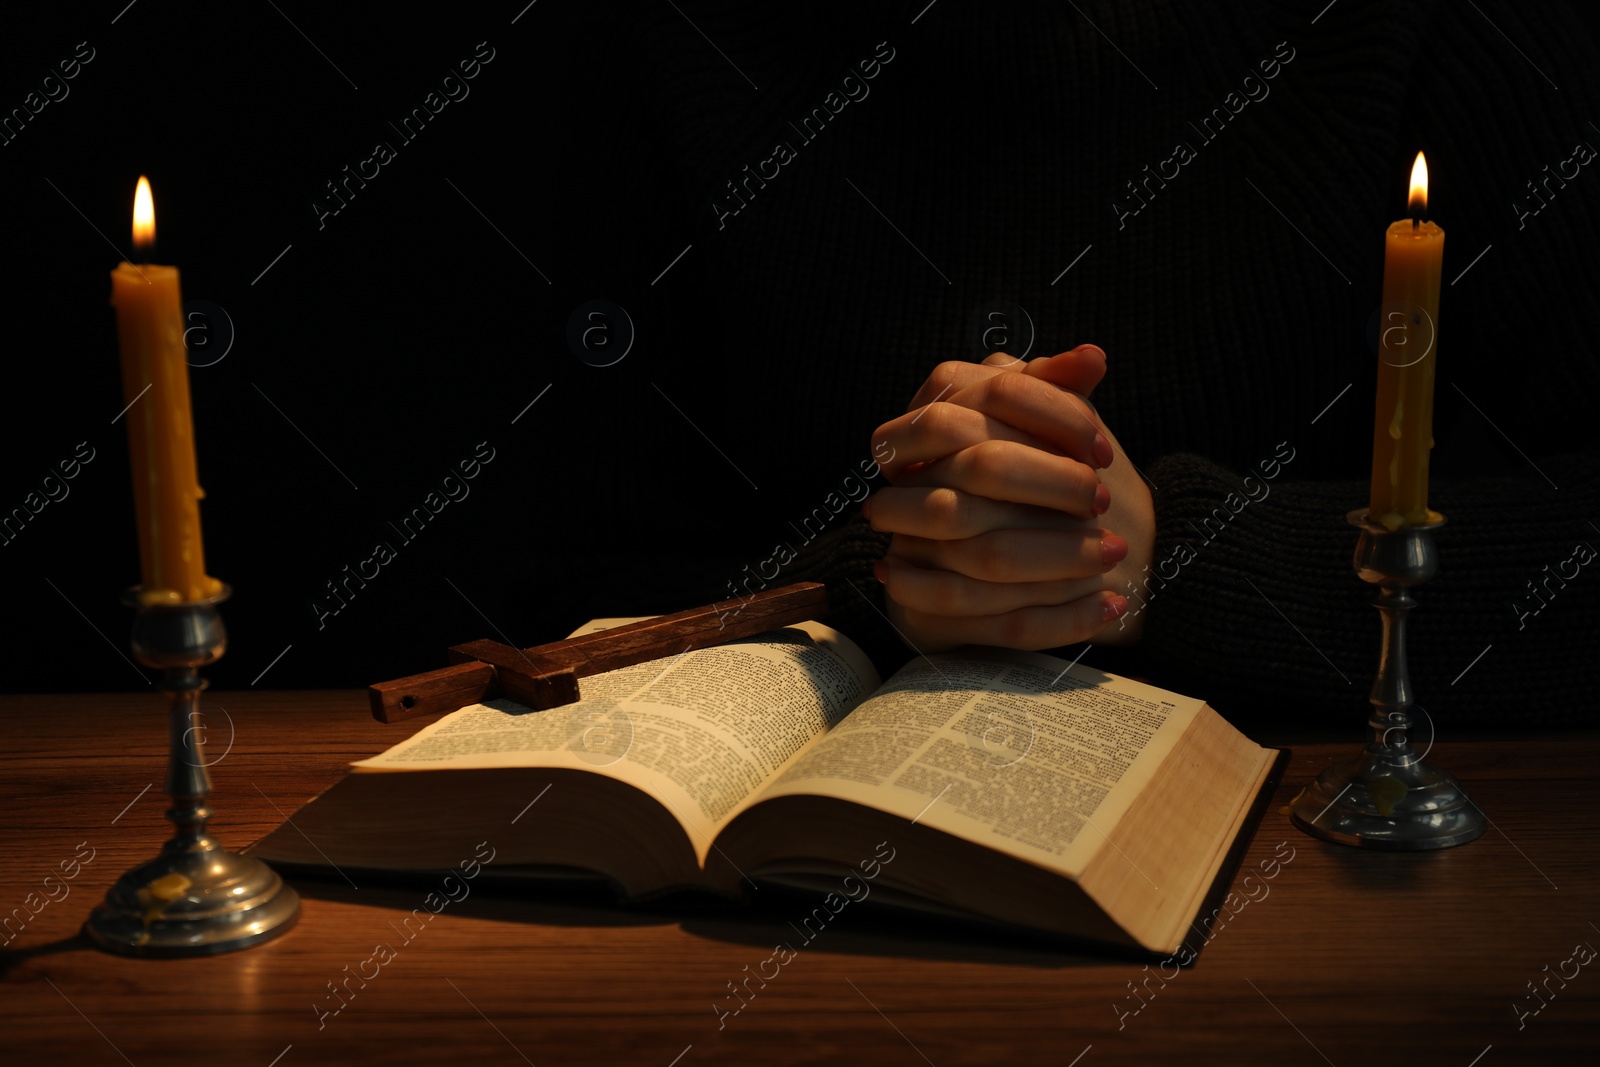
(382, 347)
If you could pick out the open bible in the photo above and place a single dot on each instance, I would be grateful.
(994, 784)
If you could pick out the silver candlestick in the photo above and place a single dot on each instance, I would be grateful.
(1387, 797)
(196, 898)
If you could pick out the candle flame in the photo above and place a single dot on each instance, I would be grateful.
(144, 215)
(1419, 186)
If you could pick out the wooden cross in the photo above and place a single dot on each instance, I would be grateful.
(546, 676)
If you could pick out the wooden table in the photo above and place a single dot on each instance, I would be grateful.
(1353, 958)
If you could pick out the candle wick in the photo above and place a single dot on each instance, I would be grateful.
(1416, 221)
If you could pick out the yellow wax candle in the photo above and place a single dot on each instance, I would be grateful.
(155, 384)
(1408, 333)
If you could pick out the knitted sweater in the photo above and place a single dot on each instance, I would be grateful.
(1201, 190)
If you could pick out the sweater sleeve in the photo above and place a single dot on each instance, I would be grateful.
(1253, 600)
(843, 558)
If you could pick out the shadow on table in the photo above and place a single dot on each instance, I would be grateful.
(575, 901)
(775, 916)
(10, 958)
(1373, 870)
(868, 929)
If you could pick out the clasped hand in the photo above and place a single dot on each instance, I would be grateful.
(1016, 518)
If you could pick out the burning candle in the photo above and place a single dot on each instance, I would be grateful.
(1407, 348)
(155, 383)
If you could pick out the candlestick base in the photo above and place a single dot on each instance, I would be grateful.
(195, 898)
(201, 902)
(1389, 800)
(1387, 797)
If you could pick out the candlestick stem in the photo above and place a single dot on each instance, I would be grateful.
(195, 898)
(188, 781)
(1390, 720)
(1387, 796)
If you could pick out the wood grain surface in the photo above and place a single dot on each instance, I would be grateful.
(1347, 957)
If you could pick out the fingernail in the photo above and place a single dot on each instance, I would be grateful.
(1102, 450)
(866, 509)
(880, 571)
(1091, 348)
(1102, 500)
(1114, 608)
(1113, 549)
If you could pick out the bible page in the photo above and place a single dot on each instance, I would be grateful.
(1018, 751)
(701, 732)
